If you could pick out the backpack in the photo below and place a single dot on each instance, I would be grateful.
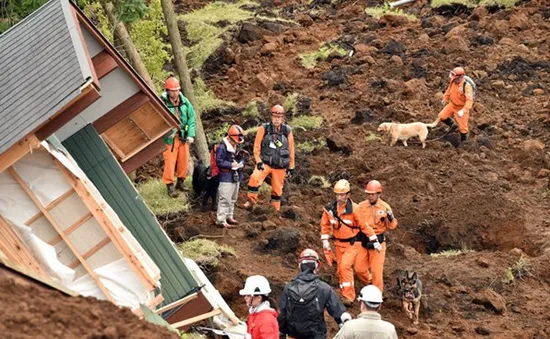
(214, 169)
(304, 311)
(470, 81)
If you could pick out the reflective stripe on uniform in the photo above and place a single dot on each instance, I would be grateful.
(325, 237)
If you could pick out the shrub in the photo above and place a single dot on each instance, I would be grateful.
(205, 252)
(154, 193)
(309, 60)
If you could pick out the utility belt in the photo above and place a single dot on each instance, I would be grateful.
(362, 237)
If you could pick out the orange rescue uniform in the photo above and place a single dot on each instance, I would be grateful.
(459, 97)
(177, 154)
(374, 220)
(348, 255)
(277, 174)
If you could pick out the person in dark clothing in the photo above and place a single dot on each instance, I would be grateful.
(303, 302)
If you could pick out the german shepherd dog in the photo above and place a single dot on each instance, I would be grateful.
(410, 291)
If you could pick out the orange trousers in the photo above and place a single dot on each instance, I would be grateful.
(376, 265)
(450, 111)
(175, 157)
(349, 257)
(277, 181)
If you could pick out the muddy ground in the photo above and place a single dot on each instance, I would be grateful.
(490, 195)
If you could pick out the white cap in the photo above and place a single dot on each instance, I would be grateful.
(370, 294)
(256, 285)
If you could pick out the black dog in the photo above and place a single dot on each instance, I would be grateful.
(204, 186)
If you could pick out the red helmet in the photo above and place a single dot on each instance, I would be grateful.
(277, 110)
(172, 84)
(236, 133)
(457, 72)
(374, 186)
(308, 254)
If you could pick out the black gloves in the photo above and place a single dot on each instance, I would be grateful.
(390, 215)
(260, 166)
(290, 172)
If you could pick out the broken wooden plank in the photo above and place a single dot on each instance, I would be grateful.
(18, 151)
(197, 318)
(177, 303)
(68, 241)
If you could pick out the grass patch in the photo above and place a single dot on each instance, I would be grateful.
(372, 137)
(309, 60)
(310, 145)
(206, 99)
(499, 3)
(202, 29)
(451, 253)
(441, 3)
(205, 252)
(192, 335)
(290, 102)
(265, 190)
(380, 11)
(319, 181)
(251, 130)
(518, 271)
(217, 136)
(306, 122)
(153, 192)
(251, 110)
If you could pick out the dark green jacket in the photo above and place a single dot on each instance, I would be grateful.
(186, 117)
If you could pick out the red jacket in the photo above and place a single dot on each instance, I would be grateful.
(263, 325)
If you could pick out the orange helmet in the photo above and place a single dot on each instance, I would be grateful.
(236, 133)
(457, 72)
(308, 254)
(172, 84)
(342, 187)
(277, 110)
(374, 186)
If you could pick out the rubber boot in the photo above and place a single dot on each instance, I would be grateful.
(180, 185)
(463, 137)
(449, 122)
(171, 191)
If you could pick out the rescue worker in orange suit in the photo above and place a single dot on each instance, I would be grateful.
(177, 143)
(274, 154)
(342, 218)
(459, 99)
(376, 218)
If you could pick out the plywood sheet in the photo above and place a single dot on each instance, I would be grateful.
(149, 120)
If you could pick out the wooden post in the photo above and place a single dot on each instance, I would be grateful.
(69, 243)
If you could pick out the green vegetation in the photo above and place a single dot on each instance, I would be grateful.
(518, 271)
(206, 99)
(147, 36)
(309, 60)
(499, 3)
(205, 252)
(290, 102)
(310, 145)
(306, 122)
(372, 137)
(251, 131)
(217, 135)
(440, 3)
(451, 253)
(251, 110)
(192, 335)
(153, 192)
(319, 180)
(202, 29)
(265, 190)
(378, 12)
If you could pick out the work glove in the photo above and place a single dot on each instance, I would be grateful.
(389, 213)
(260, 166)
(344, 317)
(460, 113)
(329, 256)
(376, 243)
(290, 172)
(190, 140)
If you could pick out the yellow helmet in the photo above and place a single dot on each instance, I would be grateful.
(342, 186)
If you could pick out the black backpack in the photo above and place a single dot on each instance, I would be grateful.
(303, 308)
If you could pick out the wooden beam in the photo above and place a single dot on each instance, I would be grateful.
(120, 112)
(85, 47)
(71, 110)
(18, 151)
(146, 154)
(104, 64)
(71, 228)
(50, 206)
(68, 241)
(120, 153)
(159, 136)
(109, 228)
(197, 318)
(91, 251)
(12, 245)
(177, 303)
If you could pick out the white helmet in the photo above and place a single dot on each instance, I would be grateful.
(370, 294)
(256, 285)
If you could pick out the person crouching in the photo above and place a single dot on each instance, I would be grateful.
(230, 164)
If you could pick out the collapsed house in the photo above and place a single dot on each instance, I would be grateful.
(76, 120)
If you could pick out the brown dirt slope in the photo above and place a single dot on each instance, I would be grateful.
(490, 195)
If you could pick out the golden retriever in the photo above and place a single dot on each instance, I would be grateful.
(404, 132)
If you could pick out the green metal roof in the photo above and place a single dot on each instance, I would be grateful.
(101, 167)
